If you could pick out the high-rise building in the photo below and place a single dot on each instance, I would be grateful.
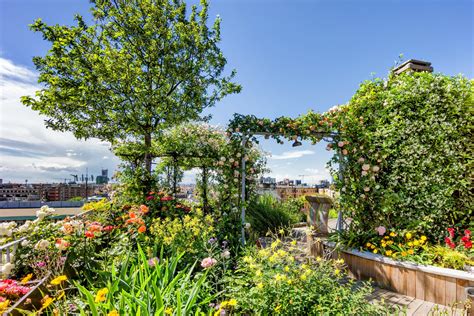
(103, 178)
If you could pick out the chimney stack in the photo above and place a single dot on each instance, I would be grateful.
(413, 65)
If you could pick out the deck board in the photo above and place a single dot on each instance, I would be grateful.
(406, 305)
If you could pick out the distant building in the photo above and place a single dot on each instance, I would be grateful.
(18, 192)
(103, 178)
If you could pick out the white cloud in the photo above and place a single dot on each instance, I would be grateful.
(292, 154)
(28, 150)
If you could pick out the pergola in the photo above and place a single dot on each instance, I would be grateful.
(245, 137)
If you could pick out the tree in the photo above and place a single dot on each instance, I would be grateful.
(141, 67)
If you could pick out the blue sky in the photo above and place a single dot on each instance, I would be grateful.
(290, 56)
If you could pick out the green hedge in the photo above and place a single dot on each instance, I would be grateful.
(414, 133)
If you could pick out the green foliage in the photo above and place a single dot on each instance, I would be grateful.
(271, 281)
(449, 258)
(76, 199)
(266, 213)
(144, 287)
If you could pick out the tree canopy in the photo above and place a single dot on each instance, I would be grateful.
(141, 67)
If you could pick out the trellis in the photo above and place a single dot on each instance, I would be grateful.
(245, 137)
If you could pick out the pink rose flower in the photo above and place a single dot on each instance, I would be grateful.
(381, 230)
(208, 262)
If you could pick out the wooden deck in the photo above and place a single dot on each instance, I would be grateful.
(406, 305)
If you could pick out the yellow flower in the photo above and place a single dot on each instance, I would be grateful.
(26, 278)
(281, 231)
(375, 251)
(408, 235)
(101, 295)
(318, 259)
(392, 234)
(416, 243)
(368, 244)
(340, 261)
(404, 254)
(410, 251)
(115, 313)
(303, 277)
(290, 282)
(58, 280)
(337, 271)
(232, 302)
(47, 300)
(388, 253)
(260, 285)
(258, 272)
(4, 305)
(293, 242)
(384, 245)
(372, 247)
(410, 244)
(423, 238)
(278, 308)
(287, 268)
(394, 255)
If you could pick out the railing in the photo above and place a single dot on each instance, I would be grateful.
(9, 250)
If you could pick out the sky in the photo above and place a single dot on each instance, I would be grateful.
(290, 57)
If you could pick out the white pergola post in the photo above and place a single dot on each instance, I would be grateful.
(242, 212)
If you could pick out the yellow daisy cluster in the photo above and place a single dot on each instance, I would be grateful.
(397, 245)
(182, 233)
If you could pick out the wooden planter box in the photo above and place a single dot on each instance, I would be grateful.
(429, 283)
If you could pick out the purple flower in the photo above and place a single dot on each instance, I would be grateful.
(212, 240)
(152, 262)
(41, 264)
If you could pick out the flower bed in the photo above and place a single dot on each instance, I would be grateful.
(435, 284)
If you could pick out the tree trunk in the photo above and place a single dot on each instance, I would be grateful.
(148, 160)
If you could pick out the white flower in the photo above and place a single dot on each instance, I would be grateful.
(42, 244)
(375, 168)
(366, 189)
(7, 268)
(360, 160)
(365, 167)
(25, 243)
(247, 225)
(364, 173)
(226, 254)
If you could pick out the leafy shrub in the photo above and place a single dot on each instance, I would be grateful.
(146, 286)
(268, 214)
(406, 153)
(449, 258)
(271, 281)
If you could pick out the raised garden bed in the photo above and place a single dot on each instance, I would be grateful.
(429, 283)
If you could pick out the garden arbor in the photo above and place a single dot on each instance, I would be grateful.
(202, 146)
(312, 126)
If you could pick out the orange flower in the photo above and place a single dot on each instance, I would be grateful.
(142, 229)
(132, 214)
(144, 209)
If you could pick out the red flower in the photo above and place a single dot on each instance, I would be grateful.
(467, 232)
(108, 228)
(167, 198)
(449, 242)
(468, 244)
(89, 234)
(451, 232)
(150, 197)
